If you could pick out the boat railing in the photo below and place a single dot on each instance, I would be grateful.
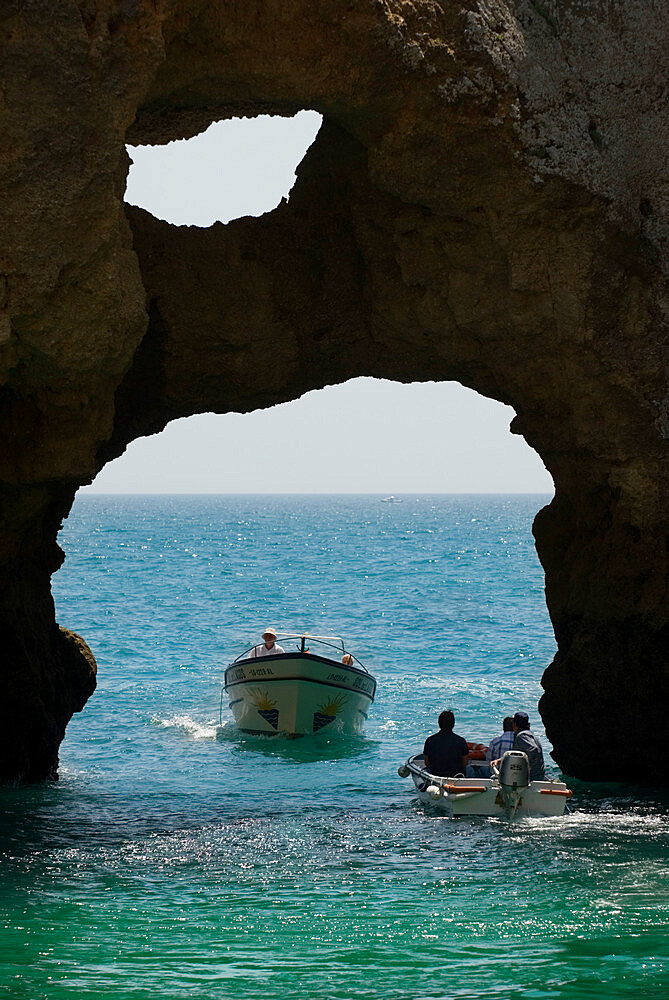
(416, 765)
(334, 642)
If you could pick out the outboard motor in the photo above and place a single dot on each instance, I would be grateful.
(514, 778)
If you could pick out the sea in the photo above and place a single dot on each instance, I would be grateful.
(179, 858)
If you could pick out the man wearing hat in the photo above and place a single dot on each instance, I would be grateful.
(527, 742)
(270, 645)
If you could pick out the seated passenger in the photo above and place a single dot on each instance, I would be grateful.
(270, 645)
(446, 754)
(494, 753)
(347, 660)
(527, 742)
(501, 744)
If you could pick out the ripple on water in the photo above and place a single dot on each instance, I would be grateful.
(179, 858)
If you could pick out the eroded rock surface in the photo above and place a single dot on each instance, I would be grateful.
(486, 201)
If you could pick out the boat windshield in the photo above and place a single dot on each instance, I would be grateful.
(330, 646)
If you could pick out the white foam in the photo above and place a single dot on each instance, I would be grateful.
(198, 730)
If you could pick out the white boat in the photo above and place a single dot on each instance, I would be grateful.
(391, 499)
(303, 690)
(508, 793)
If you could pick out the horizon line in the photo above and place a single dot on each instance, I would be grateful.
(87, 491)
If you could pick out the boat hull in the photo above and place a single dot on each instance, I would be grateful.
(540, 798)
(298, 694)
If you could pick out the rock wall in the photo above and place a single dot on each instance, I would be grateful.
(486, 201)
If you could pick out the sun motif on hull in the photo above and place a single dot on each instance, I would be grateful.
(265, 707)
(328, 712)
(261, 699)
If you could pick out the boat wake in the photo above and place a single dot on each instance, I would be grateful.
(228, 731)
(184, 723)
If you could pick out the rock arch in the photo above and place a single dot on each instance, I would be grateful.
(484, 202)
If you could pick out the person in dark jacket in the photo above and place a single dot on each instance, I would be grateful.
(446, 754)
(526, 741)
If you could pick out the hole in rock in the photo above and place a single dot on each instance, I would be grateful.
(165, 588)
(365, 436)
(238, 167)
(441, 597)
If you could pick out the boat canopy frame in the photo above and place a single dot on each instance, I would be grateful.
(303, 638)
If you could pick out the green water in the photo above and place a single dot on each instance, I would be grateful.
(177, 858)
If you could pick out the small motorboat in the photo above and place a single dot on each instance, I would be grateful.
(508, 793)
(303, 690)
(391, 499)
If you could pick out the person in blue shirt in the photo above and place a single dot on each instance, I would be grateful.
(501, 744)
(445, 753)
(498, 747)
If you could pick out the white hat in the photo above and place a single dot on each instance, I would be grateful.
(269, 631)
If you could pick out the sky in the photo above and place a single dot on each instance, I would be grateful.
(366, 436)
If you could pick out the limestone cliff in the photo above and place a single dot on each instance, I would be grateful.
(486, 201)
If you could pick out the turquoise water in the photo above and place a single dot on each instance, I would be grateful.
(177, 858)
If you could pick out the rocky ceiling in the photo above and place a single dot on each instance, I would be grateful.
(487, 201)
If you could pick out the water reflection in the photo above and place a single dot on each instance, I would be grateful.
(299, 749)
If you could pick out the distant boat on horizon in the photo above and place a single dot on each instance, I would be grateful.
(391, 499)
